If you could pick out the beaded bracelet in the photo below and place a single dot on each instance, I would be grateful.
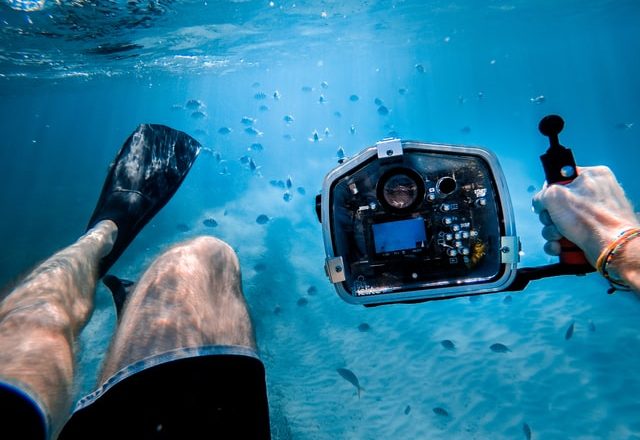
(609, 252)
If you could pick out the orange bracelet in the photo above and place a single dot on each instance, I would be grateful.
(610, 251)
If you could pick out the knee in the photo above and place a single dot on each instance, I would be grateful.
(212, 250)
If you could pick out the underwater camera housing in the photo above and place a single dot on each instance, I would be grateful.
(409, 221)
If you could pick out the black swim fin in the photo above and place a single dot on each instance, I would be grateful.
(120, 290)
(145, 174)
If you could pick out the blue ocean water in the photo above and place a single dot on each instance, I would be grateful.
(77, 77)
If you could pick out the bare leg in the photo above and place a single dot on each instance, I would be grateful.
(190, 296)
(41, 318)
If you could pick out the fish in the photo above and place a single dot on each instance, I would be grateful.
(322, 99)
(210, 222)
(198, 115)
(526, 429)
(354, 98)
(402, 91)
(289, 182)
(312, 290)
(407, 410)
(288, 119)
(182, 227)
(262, 219)
(252, 131)
(507, 299)
(350, 377)
(224, 130)
(624, 125)
(276, 95)
(538, 99)
(440, 411)
(307, 89)
(260, 267)
(465, 130)
(531, 189)
(569, 333)
(260, 96)
(246, 120)
(324, 85)
(383, 110)
(378, 101)
(287, 196)
(352, 129)
(302, 302)
(499, 348)
(592, 326)
(448, 344)
(255, 147)
(364, 327)
(193, 104)
(120, 290)
(263, 108)
(301, 191)
(419, 68)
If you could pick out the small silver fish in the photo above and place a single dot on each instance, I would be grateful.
(350, 377)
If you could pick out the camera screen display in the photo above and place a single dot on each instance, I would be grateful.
(399, 235)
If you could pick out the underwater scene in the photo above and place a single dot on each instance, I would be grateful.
(278, 92)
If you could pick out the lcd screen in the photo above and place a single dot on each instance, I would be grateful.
(399, 235)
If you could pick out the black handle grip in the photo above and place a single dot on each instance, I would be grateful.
(560, 168)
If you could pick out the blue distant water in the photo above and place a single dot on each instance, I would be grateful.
(76, 77)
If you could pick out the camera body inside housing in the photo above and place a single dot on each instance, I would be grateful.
(407, 221)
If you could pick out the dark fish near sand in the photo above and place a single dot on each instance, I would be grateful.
(262, 219)
(364, 327)
(499, 348)
(569, 333)
(224, 130)
(350, 377)
(383, 110)
(448, 344)
(526, 429)
(210, 223)
(441, 411)
(198, 115)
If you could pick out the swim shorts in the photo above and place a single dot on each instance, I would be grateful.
(214, 392)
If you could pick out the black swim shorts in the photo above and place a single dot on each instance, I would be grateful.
(215, 392)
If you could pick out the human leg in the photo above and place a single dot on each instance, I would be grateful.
(42, 317)
(191, 296)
